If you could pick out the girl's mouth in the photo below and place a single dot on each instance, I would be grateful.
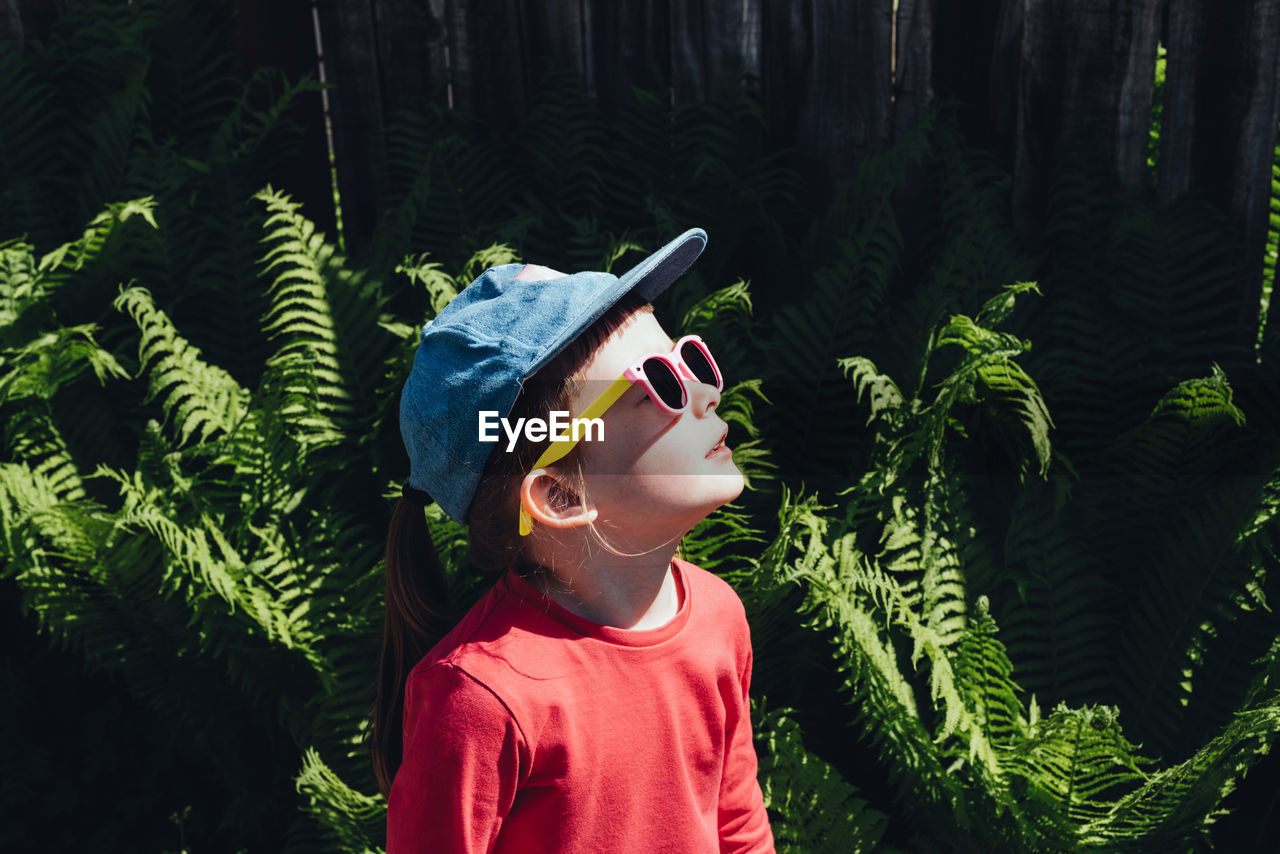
(720, 449)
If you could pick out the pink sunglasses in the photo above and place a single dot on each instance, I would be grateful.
(663, 376)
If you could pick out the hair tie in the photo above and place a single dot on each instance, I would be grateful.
(416, 496)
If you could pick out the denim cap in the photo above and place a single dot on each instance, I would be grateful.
(477, 352)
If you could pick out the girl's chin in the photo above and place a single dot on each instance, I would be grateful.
(719, 489)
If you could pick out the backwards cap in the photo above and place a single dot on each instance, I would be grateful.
(497, 332)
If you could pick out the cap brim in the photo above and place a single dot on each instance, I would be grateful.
(655, 274)
(649, 278)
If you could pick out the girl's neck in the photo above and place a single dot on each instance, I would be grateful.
(623, 592)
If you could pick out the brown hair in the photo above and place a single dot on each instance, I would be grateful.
(417, 613)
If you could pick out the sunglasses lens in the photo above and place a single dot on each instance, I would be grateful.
(665, 383)
(697, 360)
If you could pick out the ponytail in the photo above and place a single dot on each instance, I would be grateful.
(417, 617)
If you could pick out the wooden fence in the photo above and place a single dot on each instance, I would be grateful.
(840, 79)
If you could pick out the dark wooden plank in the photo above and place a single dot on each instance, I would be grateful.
(688, 39)
(968, 72)
(412, 47)
(1004, 81)
(630, 48)
(1188, 40)
(488, 61)
(712, 41)
(1221, 111)
(1085, 65)
(825, 70)
(913, 63)
(735, 47)
(553, 33)
(351, 48)
(29, 20)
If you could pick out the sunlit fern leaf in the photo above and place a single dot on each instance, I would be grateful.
(38, 359)
(95, 590)
(198, 554)
(812, 809)
(918, 555)
(32, 374)
(883, 395)
(1177, 805)
(261, 465)
(354, 818)
(989, 364)
(322, 311)
(439, 285)
(943, 580)
(1270, 256)
(984, 677)
(41, 522)
(199, 400)
(1073, 766)
(837, 583)
(74, 256)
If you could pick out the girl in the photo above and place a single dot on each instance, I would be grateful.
(595, 700)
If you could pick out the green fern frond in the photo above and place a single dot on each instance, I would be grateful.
(199, 400)
(322, 313)
(812, 809)
(988, 365)
(76, 254)
(883, 395)
(839, 585)
(439, 285)
(1076, 761)
(1201, 584)
(352, 816)
(1181, 803)
(984, 677)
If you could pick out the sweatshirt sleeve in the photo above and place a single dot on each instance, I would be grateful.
(744, 823)
(461, 764)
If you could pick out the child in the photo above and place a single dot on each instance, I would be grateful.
(595, 700)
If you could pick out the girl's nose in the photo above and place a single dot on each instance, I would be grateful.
(703, 398)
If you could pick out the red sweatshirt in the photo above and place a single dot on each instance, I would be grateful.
(529, 729)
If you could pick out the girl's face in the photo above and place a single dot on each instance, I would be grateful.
(655, 475)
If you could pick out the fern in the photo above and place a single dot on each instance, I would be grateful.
(811, 808)
(202, 399)
(355, 819)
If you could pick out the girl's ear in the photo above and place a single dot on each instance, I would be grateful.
(549, 502)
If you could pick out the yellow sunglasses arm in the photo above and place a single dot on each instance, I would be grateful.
(558, 449)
